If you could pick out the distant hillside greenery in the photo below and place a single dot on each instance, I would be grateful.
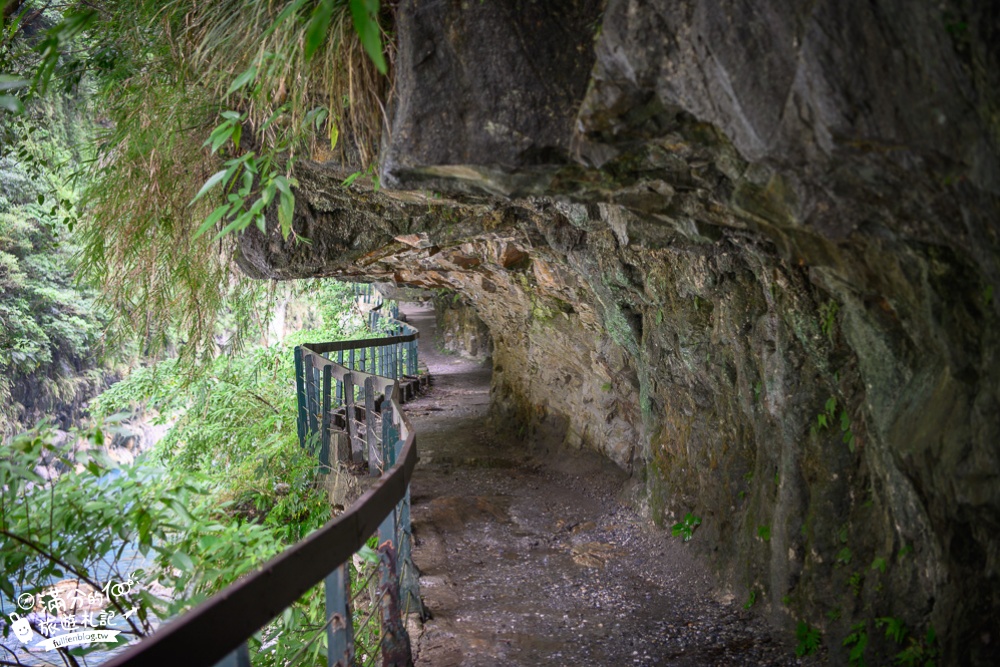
(50, 329)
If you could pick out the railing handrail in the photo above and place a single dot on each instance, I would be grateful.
(339, 345)
(219, 627)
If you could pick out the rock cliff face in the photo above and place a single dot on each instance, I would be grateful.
(747, 250)
(461, 329)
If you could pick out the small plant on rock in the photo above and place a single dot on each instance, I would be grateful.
(855, 582)
(686, 527)
(921, 653)
(844, 556)
(809, 639)
(828, 318)
(894, 628)
(825, 418)
(857, 641)
(845, 428)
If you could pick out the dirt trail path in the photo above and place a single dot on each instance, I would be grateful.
(531, 562)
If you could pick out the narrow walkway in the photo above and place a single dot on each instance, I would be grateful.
(530, 562)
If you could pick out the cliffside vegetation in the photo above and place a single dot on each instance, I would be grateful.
(193, 98)
(51, 331)
(226, 488)
(102, 276)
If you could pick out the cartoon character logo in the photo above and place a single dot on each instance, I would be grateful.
(21, 628)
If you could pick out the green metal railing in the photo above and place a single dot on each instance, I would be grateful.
(350, 396)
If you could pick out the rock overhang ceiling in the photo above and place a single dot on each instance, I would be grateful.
(688, 227)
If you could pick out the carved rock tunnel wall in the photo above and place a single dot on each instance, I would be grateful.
(745, 250)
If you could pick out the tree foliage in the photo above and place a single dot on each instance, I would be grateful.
(222, 94)
(81, 524)
(227, 488)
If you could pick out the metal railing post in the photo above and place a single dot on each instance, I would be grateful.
(324, 450)
(311, 390)
(349, 413)
(300, 421)
(340, 631)
(395, 641)
(372, 441)
(388, 435)
(340, 385)
(238, 658)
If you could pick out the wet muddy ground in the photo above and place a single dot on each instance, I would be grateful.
(538, 561)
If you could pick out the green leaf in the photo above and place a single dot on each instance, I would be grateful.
(318, 26)
(286, 209)
(238, 224)
(209, 184)
(283, 185)
(860, 640)
(368, 554)
(182, 511)
(223, 129)
(283, 16)
(267, 194)
(242, 80)
(10, 82)
(844, 556)
(350, 179)
(258, 206)
(233, 167)
(273, 117)
(182, 562)
(11, 104)
(213, 218)
(221, 135)
(365, 16)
